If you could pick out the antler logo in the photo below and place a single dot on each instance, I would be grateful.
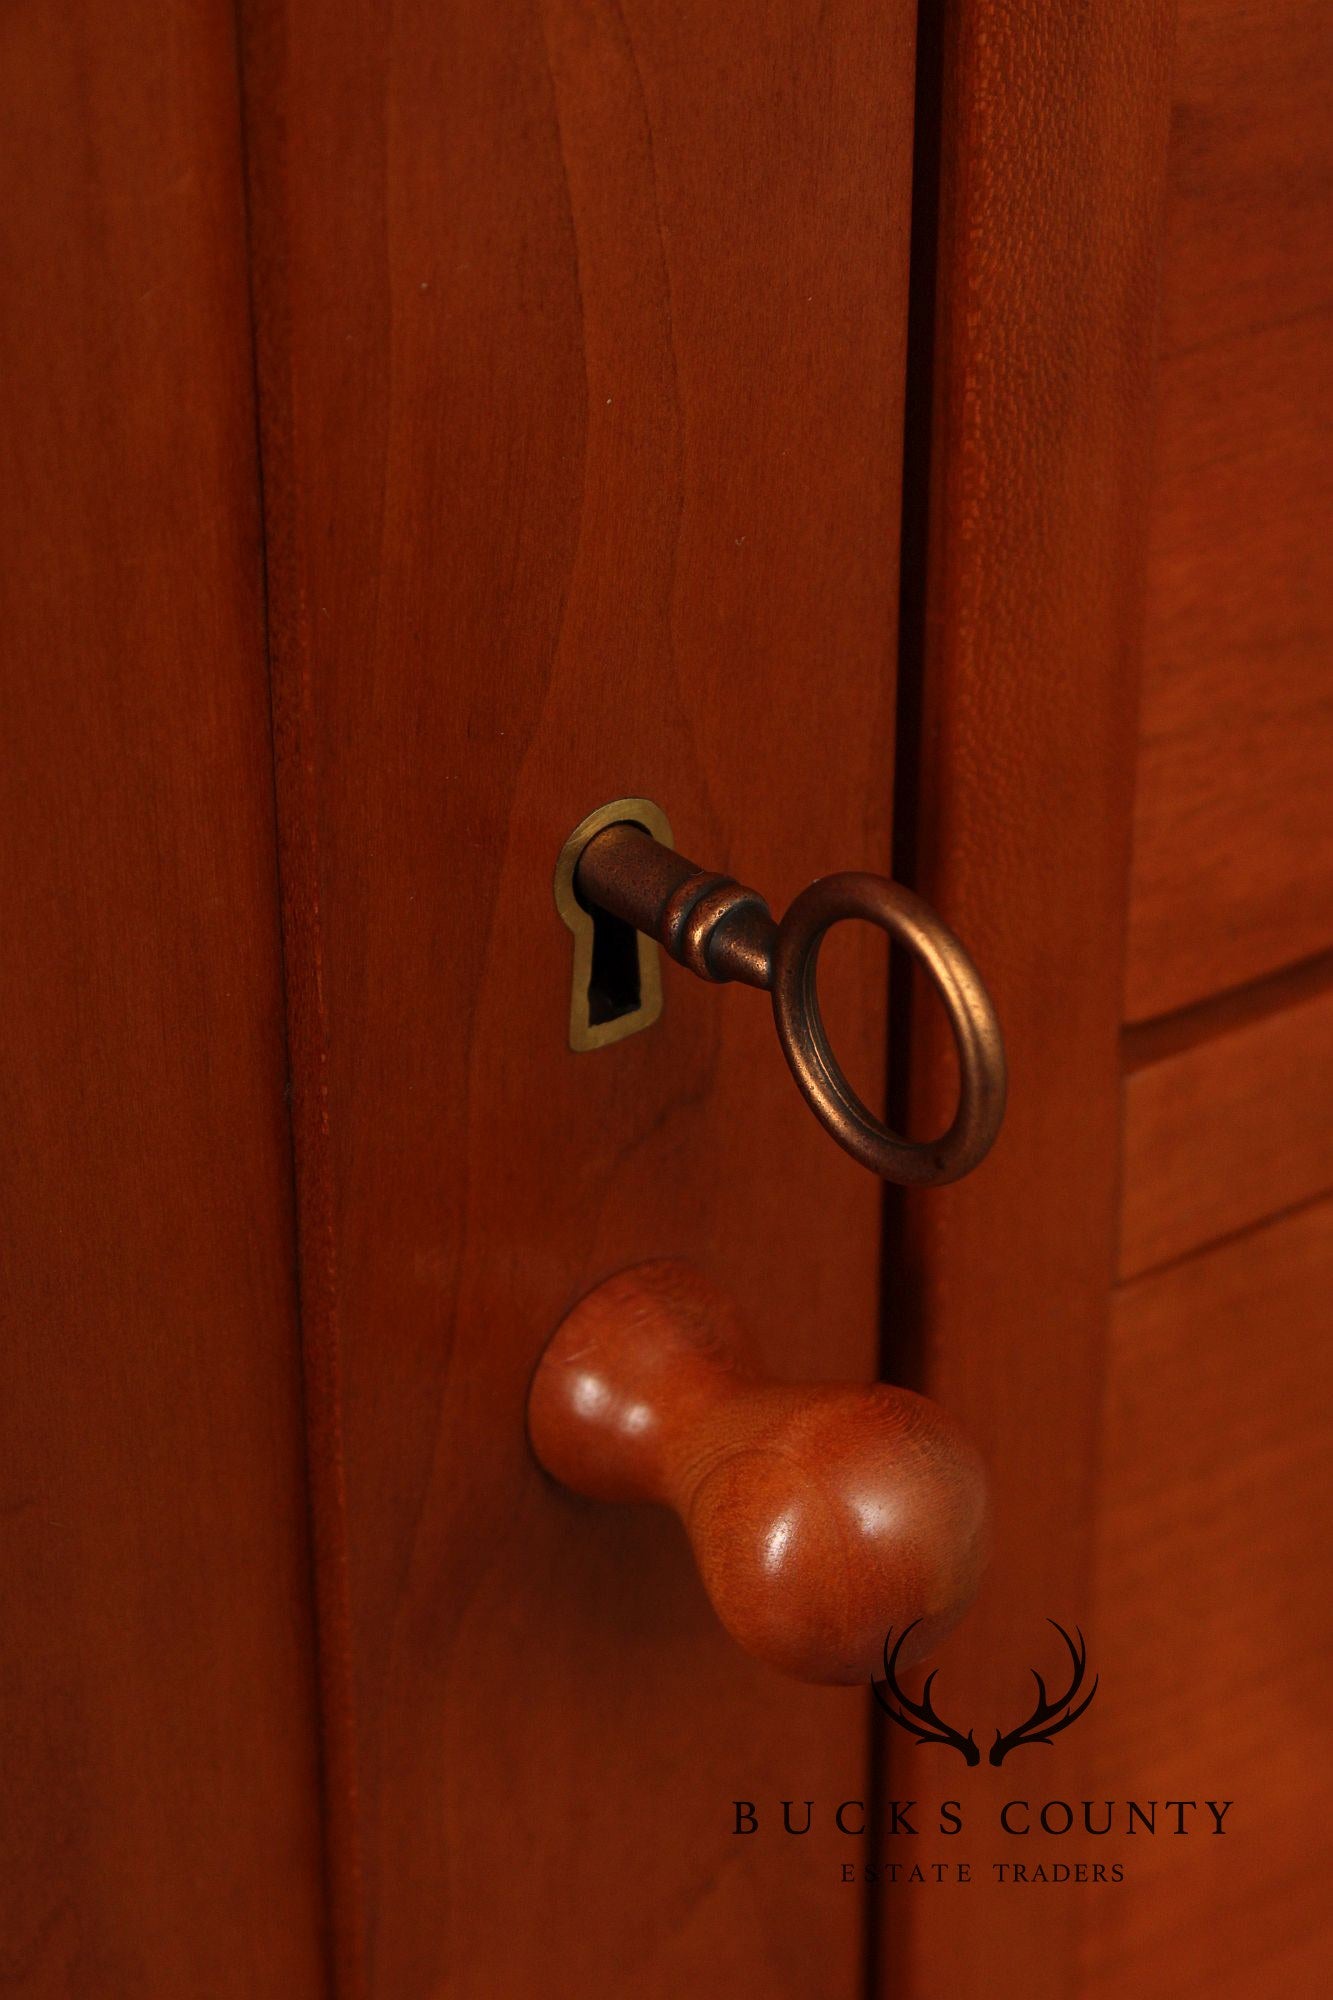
(918, 1718)
(1048, 1718)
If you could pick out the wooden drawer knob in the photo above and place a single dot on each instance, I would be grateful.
(821, 1514)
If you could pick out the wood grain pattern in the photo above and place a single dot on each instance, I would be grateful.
(1233, 847)
(1251, 164)
(1226, 1130)
(1042, 351)
(581, 352)
(1212, 1617)
(159, 1832)
(1233, 839)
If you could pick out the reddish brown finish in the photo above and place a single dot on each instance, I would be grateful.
(1233, 840)
(159, 1832)
(1214, 1621)
(581, 341)
(1251, 171)
(1231, 1125)
(822, 1517)
(1173, 1530)
(1053, 143)
(1233, 843)
(581, 334)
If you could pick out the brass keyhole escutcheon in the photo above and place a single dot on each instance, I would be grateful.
(616, 985)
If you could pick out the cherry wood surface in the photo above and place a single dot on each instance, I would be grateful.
(159, 1824)
(1212, 1619)
(574, 473)
(581, 339)
(823, 1516)
(1228, 1117)
(1041, 343)
(1233, 840)
(1251, 157)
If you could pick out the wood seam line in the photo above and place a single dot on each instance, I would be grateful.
(261, 69)
(1146, 1042)
(1228, 1237)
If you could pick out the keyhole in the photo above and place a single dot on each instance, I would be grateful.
(613, 983)
(617, 985)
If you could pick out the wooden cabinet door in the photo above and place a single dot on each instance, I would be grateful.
(581, 338)
(431, 424)
(159, 1763)
(1121, 796)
